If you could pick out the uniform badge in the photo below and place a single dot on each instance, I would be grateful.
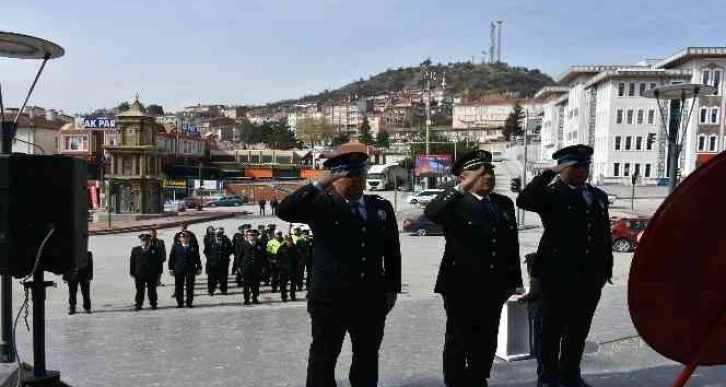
(382, 214)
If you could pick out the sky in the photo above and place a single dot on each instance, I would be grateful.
(178, 53)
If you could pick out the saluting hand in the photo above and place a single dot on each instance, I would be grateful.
(471, 177)
(330, 177)
(559, 167)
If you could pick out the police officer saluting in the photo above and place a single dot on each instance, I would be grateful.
(356, 269)
(574, 260)
(480, 268)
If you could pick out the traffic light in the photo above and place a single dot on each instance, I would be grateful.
(516, 184)
(650, 140)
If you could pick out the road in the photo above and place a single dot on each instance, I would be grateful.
(223, 343)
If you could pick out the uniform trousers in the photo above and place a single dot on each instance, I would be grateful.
(141, 286)
(251, 283)
(85, 293)
(217, 276)
(184, 281)
(364, 319)
(566, 316)
(472, 325)
(288, 277)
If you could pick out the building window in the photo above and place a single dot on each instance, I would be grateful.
(640, 116)
(701, 142)
(626, 169)
(712, 143)
(714, 115)
(618, 139)
(631, 89)
(628, 142)
(639, 143)
(647, 170)
(630, 116)
(641, 89)
(636, 172)
(621, 89)
(616, 169)
(652, 85)
(706, 77)
(716, 80)
(76, 143)
(704, 115)
(648, 144)
(619, 117)
(651, 117)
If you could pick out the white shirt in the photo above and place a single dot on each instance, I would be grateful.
(361, 206)
(586, 194)
(462, 191)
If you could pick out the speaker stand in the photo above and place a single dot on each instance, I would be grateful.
(41, 377)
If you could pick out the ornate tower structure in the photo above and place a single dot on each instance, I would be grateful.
(135, 167)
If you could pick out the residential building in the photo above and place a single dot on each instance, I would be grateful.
(605, 107)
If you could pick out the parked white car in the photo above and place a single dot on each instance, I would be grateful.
(423, 197)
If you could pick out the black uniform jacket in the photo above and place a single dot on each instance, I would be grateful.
(288, 257)
(482, 247)
(146, 265)
(576, 246)
(350, 255)
(183, 261)
(220, 248)
(251, 256)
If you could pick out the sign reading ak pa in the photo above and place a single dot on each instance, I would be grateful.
(99, 123)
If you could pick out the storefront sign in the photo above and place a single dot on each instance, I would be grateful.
(99, 123)
(175, 183)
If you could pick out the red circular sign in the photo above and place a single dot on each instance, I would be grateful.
(677, 283)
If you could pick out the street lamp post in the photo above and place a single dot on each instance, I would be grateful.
(675, 130)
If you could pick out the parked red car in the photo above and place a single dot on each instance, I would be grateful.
(626, 231)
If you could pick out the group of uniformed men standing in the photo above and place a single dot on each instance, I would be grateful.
(259, 255)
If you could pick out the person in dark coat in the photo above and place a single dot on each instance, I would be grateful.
(273, 205)
(160, 247)
(308, 257)
(80, 276)
(237, 240)
(357, 267)
(287, 261)
(192, 238)
(218, 253)
(262, 203)
(146, 263)
(252, 254)
(301, 243)
(184, 265)
(574, 260)
(480, 268)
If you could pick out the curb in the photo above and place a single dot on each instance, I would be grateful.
(163, 225)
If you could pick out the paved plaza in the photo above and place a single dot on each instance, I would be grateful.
(223, 343)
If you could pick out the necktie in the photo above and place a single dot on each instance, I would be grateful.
(487, 203)
(585, 195)
(355, 208)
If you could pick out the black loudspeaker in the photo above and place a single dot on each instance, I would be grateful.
(38, 193)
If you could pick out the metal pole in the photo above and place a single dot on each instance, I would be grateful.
(524, 169)
(39, 323)
(7, 355)
(199, 208)
(673, 151)
(428, 122)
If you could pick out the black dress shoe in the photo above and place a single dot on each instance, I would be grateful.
(255, 301)
(190, 306)
(71, 311)
(137, 307)
(153, 307)
(180, 306)
(247, 302)
(88, 311)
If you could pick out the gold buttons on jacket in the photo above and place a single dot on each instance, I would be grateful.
(362, 245)
(363, 259)
(491, 267)
(362, 275)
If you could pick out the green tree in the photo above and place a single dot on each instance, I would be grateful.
(155, 110)
(277, 135)
(382, 140)
(365, 132)
(313, 131)
(340, 139)
(512, 125)
(122, 107)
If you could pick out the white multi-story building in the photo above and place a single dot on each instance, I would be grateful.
(605, 107)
